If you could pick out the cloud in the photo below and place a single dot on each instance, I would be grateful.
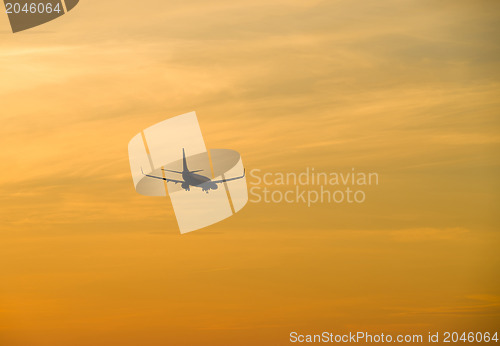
(492, 308)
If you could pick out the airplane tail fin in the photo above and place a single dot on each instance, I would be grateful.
(184, 162)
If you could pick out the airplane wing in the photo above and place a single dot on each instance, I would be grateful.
(166, 179)
(224, 180)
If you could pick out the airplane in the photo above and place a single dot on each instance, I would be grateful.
(193, 179)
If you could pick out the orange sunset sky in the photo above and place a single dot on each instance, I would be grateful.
(407, 89)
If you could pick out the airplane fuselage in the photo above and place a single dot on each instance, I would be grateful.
(193, 179)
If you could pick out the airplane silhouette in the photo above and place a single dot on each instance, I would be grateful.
(193, 179)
